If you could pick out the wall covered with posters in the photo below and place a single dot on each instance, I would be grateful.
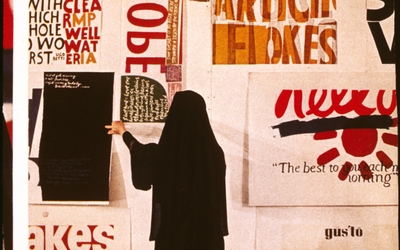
(301, 96)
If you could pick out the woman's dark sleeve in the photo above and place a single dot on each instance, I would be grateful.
(143, 161)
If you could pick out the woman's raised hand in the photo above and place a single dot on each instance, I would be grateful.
(116, 127)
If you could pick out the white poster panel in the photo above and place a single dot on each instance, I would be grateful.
(327, 228)
(78, 227)
(322, 139)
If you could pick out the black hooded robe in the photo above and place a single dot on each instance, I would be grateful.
(187, 172)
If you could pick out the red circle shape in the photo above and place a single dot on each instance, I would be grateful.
(359, 142)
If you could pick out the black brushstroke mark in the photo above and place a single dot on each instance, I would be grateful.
(327, 124)
(33, 113)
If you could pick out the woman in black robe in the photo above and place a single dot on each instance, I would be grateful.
(186, 170)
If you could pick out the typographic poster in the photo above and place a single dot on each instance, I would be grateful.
(174, 32)
(74, 154)
(64, 32)
(323, 139)
(275, 32)
(92, 227)
(153, 42)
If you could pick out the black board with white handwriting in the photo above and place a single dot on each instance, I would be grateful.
(74, 155)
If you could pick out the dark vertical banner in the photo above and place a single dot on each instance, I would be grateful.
(376, 18)
(74, 154)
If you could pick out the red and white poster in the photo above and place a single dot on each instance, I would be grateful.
(90, 228)
(323, 139)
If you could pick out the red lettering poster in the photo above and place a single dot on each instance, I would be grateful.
(64, 32)
(346, 137)
(52, 227)
(152, 44)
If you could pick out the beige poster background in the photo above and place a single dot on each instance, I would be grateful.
(290, 163)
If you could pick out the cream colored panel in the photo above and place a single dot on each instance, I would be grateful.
(327, 228)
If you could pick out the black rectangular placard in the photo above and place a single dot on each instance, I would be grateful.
(74, 155)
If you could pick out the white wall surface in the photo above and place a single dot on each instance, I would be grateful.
(225, 90)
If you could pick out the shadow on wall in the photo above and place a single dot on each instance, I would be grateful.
(243, 143)
(117, 188)
(234, 136)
